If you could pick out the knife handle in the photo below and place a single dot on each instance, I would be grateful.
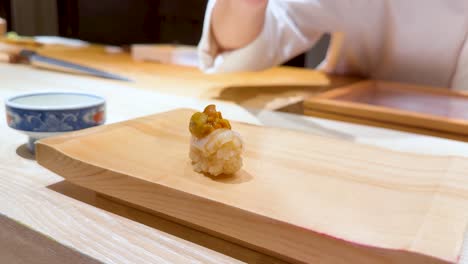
(9, 53)
(8, 58)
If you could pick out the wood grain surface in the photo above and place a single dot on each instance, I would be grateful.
(270, 89)
(299, 197)
(387, 125)
(78, 218)
(115, 233)
(21, 245)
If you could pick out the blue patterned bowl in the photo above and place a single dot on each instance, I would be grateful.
(44, 114)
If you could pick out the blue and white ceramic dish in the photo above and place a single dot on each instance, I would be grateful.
(44, 114)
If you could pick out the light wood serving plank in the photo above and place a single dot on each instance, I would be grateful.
(299, 197)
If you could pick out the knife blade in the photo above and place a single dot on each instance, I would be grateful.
(55, 64)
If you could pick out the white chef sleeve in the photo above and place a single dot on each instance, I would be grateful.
(285, 34)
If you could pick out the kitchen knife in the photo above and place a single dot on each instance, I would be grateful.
(40, 61)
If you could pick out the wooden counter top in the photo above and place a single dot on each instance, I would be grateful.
(270, 89)
(113, 233)
(79, 219)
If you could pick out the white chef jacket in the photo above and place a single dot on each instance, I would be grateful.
(415, 41)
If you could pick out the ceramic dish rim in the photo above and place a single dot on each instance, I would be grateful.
(9, 101)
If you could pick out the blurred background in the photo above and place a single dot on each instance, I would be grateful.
(122, 22)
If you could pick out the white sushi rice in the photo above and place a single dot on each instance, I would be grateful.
(218, 153)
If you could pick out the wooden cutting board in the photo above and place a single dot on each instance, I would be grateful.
(299, 197)
(420, 109)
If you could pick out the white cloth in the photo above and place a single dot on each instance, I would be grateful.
(417, 41)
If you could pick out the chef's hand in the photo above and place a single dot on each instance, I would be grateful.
(236, 23)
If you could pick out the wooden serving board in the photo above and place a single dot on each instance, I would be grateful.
(417, 108)
(298, 197)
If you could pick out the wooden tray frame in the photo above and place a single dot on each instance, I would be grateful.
(325, 105)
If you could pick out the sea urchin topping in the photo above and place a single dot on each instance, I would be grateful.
(202, 124)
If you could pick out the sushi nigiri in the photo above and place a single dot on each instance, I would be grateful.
(214, 148)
